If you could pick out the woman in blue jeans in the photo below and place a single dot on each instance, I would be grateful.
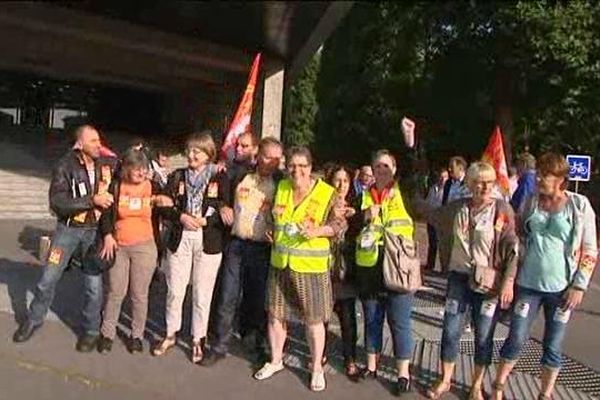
(558, 231)
(480, 235)
(382, 207)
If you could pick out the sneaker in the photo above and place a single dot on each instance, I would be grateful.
(135, 345)
(211, 359)
(86, 343)
(268, 370)
(104, 345)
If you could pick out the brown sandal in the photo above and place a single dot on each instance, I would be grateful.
(439, 389)
(165, 345)
(498, 387)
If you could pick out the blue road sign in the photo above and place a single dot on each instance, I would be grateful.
(580, 167)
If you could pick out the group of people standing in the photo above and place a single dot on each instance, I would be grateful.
(272, 246)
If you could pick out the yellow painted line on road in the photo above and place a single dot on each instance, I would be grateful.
(73, 376)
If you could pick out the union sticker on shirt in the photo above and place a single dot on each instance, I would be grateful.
(522, 309)
(55, 256)
(587, 264)
(488, 308)
(80, 217)
(106, 173)
(135, 203)
(562, 316)
(181, 190)
(243, 193)
(213, 190)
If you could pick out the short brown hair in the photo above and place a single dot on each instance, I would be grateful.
(525, 161)
(268, 141)
(383, 152)
(133, 159)
(302, 151)
(253, 138)
(458, 160)
(203, 141)
(553, 164)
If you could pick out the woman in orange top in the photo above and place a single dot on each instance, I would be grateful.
(128, 239)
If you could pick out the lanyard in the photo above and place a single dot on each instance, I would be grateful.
(378, 197)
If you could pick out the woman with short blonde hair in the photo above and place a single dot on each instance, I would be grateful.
(479, 236)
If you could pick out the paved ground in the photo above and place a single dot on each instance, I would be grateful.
(48, 366)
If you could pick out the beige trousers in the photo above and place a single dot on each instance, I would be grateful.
(133, 269)
(190, 261)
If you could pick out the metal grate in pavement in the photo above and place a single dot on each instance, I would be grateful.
(521, 384)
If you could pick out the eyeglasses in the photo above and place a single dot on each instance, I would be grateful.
(486, 183)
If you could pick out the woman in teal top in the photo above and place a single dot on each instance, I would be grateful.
(560, 251)
(545, 267)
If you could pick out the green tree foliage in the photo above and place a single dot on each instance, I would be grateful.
(301, 106)
(459, 68)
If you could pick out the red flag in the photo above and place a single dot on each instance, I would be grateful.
(107, 152)
(494, 154)
(241, 120)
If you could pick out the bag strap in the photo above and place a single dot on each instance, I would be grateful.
(472, 231)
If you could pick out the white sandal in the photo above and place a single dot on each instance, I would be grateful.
(317, 381)
(268, 370)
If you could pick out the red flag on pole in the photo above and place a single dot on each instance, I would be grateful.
(494, 154)
(241, 120)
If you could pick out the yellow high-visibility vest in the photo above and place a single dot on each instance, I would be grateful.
(393, 217)
(290, 248)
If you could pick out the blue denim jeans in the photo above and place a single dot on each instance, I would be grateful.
(526, 307)
(244, 286)
(65, 242)
(398, 307)
(483, 312)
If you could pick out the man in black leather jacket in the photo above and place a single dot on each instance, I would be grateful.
(78, 193)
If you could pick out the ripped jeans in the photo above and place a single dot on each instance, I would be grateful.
(526, 307)
(482, 311)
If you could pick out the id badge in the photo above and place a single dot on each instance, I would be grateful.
(135, 203)
(367, 240)
(291, 229)
(209, 211)
(82, 189)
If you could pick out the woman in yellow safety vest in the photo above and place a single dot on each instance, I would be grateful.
(299, 281)
(382, 208)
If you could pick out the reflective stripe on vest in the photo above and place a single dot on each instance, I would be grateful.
(290, 249)
(393, 217)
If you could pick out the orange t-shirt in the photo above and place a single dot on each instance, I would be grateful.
(134, 214)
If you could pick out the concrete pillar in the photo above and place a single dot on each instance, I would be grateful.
(272, 103)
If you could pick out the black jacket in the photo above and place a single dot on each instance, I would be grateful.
(70, 191)
(213, 232)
